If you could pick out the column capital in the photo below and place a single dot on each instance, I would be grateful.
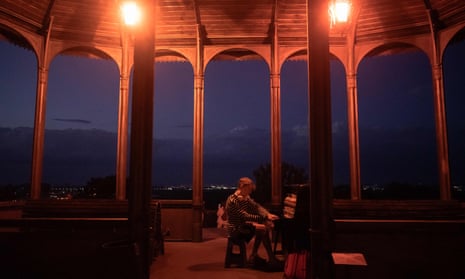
(123, 78)
(437, 71)
(198, 81)
(351, 80)
(43, 74)
(275, 80)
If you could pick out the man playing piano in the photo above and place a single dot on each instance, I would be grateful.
(242, 211)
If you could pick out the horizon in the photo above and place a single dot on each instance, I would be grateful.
(397, 133)
(105, 142)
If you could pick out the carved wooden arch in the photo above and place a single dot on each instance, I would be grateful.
(390, 48)
(239, 54)
(88, 51)
(174, 55)
(450, 36)
(301, 54)
(22, 39)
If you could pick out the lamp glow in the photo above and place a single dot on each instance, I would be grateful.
(339, 11)
(131, 13)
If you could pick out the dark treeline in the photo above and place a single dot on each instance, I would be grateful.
(104, 188)
(212, 197)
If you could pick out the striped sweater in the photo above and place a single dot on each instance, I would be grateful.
(242, 209)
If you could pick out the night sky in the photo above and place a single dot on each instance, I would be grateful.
(397, 135)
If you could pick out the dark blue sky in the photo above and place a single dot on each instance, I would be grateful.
(395, 112)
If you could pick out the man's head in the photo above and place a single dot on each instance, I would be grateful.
(246, 185)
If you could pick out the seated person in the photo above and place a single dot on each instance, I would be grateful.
(221, 220)
(242, 210)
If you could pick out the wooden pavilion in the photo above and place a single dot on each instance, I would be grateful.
(200, 31)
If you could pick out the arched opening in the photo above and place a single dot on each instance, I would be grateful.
(17, 102)
(454, 73)
(294, 121)
(397, 133)
(237, 120)
(172, 131)
(340, 134)
(81, 124)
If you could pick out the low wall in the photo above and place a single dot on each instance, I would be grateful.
(401, 249)
(11, 209)
(177, 219)
(398, 209)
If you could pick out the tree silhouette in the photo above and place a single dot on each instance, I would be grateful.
(290, 175)
(101, 187)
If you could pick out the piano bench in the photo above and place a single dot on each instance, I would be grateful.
(232, 258)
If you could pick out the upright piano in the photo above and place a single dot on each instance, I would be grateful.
(294, 223)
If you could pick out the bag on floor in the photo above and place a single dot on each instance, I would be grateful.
(295, 266)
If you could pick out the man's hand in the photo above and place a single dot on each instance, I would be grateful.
(269, 224)
(259, 227)
(272, 217)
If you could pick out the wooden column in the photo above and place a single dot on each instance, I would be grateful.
(354, 143)
(197, 189)
(441, 133)
(39, 133)
(140, 170)
(39, 119)
(197, 171)
(320, 139)
(123, 122)
(439, 107)
(276, 169)
(275, 111)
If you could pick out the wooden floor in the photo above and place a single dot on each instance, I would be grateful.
(203, 260)
(394, 250)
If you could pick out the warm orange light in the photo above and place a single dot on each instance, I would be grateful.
(131, 13)
(339, 11)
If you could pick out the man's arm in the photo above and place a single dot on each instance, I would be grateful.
(264, 212)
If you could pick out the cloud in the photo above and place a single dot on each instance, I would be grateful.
(300, 130)
(75, 155)
(338, 126)
(419, 91)
(239, 129)
(83, 121)
(184, 126)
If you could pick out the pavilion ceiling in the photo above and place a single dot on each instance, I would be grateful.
(234, 23)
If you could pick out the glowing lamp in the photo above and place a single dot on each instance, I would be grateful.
(339, 11)
(131, 13)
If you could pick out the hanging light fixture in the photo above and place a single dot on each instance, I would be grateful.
(339, 11)
(130, 12)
